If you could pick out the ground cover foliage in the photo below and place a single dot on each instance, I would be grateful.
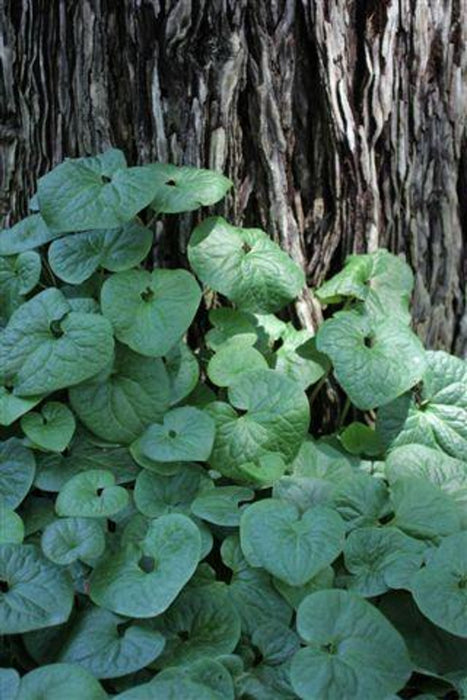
(168, 526)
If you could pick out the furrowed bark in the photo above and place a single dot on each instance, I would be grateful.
(341, 123)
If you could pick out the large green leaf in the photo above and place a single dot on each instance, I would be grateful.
(361, 500)
(157, 495)
(108, 645)
(382, 280)
(352, 650)
(17, 468)
(381, 558)
(27, 234)
(143, 580)
(59, 681)
(52, 428)
(274, 418)
(244, 265)
(375, 359)
(34, 592)
(186, 435)
(433, 466)
(150, 311)
(184, 188)
(46, 346)
(202, 623)
(436, 414)
(91, 494)
(293, 548)
(75, 258)
(440, 588)
(68, 539)
(89, 193)
(120, 402)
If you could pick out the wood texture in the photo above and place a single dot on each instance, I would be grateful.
(341, 122)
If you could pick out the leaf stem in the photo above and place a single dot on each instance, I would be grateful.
(344, 412)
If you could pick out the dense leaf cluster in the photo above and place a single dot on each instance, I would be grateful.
(168, 526)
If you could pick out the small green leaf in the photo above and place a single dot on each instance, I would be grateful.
(18, 276)
(46, 346)
(13, 407)
(91, 494)
(440, 588)
(352, 650)
(184, 188)
(75, 258)
(17, 468)
(244, 265)
(109, 646)
(359, 439)
(120, 402)
(59, 681)
(52, 429)
(375, 359)
(233, 359)
(143, 580)
(11, 526)
(91, 193)
(202, 623)
(9, 683)
(293, 548)
(183, 370)
(69, 539)
(187, 435)
(295, 594)
(298, 358)
(150, 311)
(34, 592)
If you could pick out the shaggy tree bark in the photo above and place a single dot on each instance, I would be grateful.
(341, 122)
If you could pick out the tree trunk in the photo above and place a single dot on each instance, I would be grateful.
(341, 122)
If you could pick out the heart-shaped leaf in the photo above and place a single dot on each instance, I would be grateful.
(375, 359)
(17, 469)
(150, 311)
(233, 359)
(290, 546)
(27, 234)
(52, 428)
(298, 358)
(11, 526)
(109, 646)
(18, 276)
(274, 420)
(46, 347)
(185, 188)
(91, 494)
(440, 588)
(187, 435)
(436, 414)
(244, 265)
(202, 623)
(68, 539)
(382, 280)
(381, 558)
(58, 681)
(75, 258)
(143, 580)
(352, 650)
(119, 403)
(360, 439)
(92, 193)
(34, 592)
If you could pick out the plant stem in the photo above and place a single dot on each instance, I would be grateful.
(344, 412)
